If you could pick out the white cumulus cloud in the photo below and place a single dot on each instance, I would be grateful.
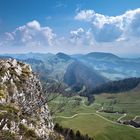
(112, 28)
(30, 34)
(85, 15)
(34, 24)
(81, 38)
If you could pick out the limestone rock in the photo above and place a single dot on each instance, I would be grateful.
(23, 108)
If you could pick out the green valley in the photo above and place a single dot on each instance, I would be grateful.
(100, 125)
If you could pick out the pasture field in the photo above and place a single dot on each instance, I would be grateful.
(75, 114)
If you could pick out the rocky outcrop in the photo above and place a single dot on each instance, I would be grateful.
(23, 109)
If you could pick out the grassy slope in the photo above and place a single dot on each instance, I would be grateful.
(96, 126)
(100, 129)
(129, 102)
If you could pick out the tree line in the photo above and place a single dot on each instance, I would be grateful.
(117, 86)
(69, 134)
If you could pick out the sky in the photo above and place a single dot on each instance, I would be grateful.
(70, 26)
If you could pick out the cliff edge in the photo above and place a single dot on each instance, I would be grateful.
(24, 113)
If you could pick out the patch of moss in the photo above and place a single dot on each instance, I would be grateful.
(55, 136)
(25, 72)
(1, 115)
(28, 133)
(2, 71)
(6, 135)
(22, 129)
(9, 108)
(2, 94)
(9, 112)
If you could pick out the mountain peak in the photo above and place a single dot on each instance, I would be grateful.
(63, 56)
(102, 55)
(79, 75)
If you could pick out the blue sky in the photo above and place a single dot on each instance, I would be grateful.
(14, 13)
(71, 26)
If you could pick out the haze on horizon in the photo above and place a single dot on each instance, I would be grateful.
(72, 26)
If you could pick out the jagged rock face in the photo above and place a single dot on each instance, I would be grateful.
(21, 91)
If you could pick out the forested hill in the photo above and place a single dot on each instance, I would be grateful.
(117, 86)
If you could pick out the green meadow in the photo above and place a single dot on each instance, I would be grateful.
(74, 113)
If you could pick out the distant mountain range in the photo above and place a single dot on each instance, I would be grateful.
(89, 70)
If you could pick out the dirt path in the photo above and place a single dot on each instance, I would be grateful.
(102, 108)
(124, 115)
(136, 118)
(96, 113)
(75, 115)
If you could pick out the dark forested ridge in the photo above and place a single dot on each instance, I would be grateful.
(117, 86)
(111, 87)
(78, 75)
